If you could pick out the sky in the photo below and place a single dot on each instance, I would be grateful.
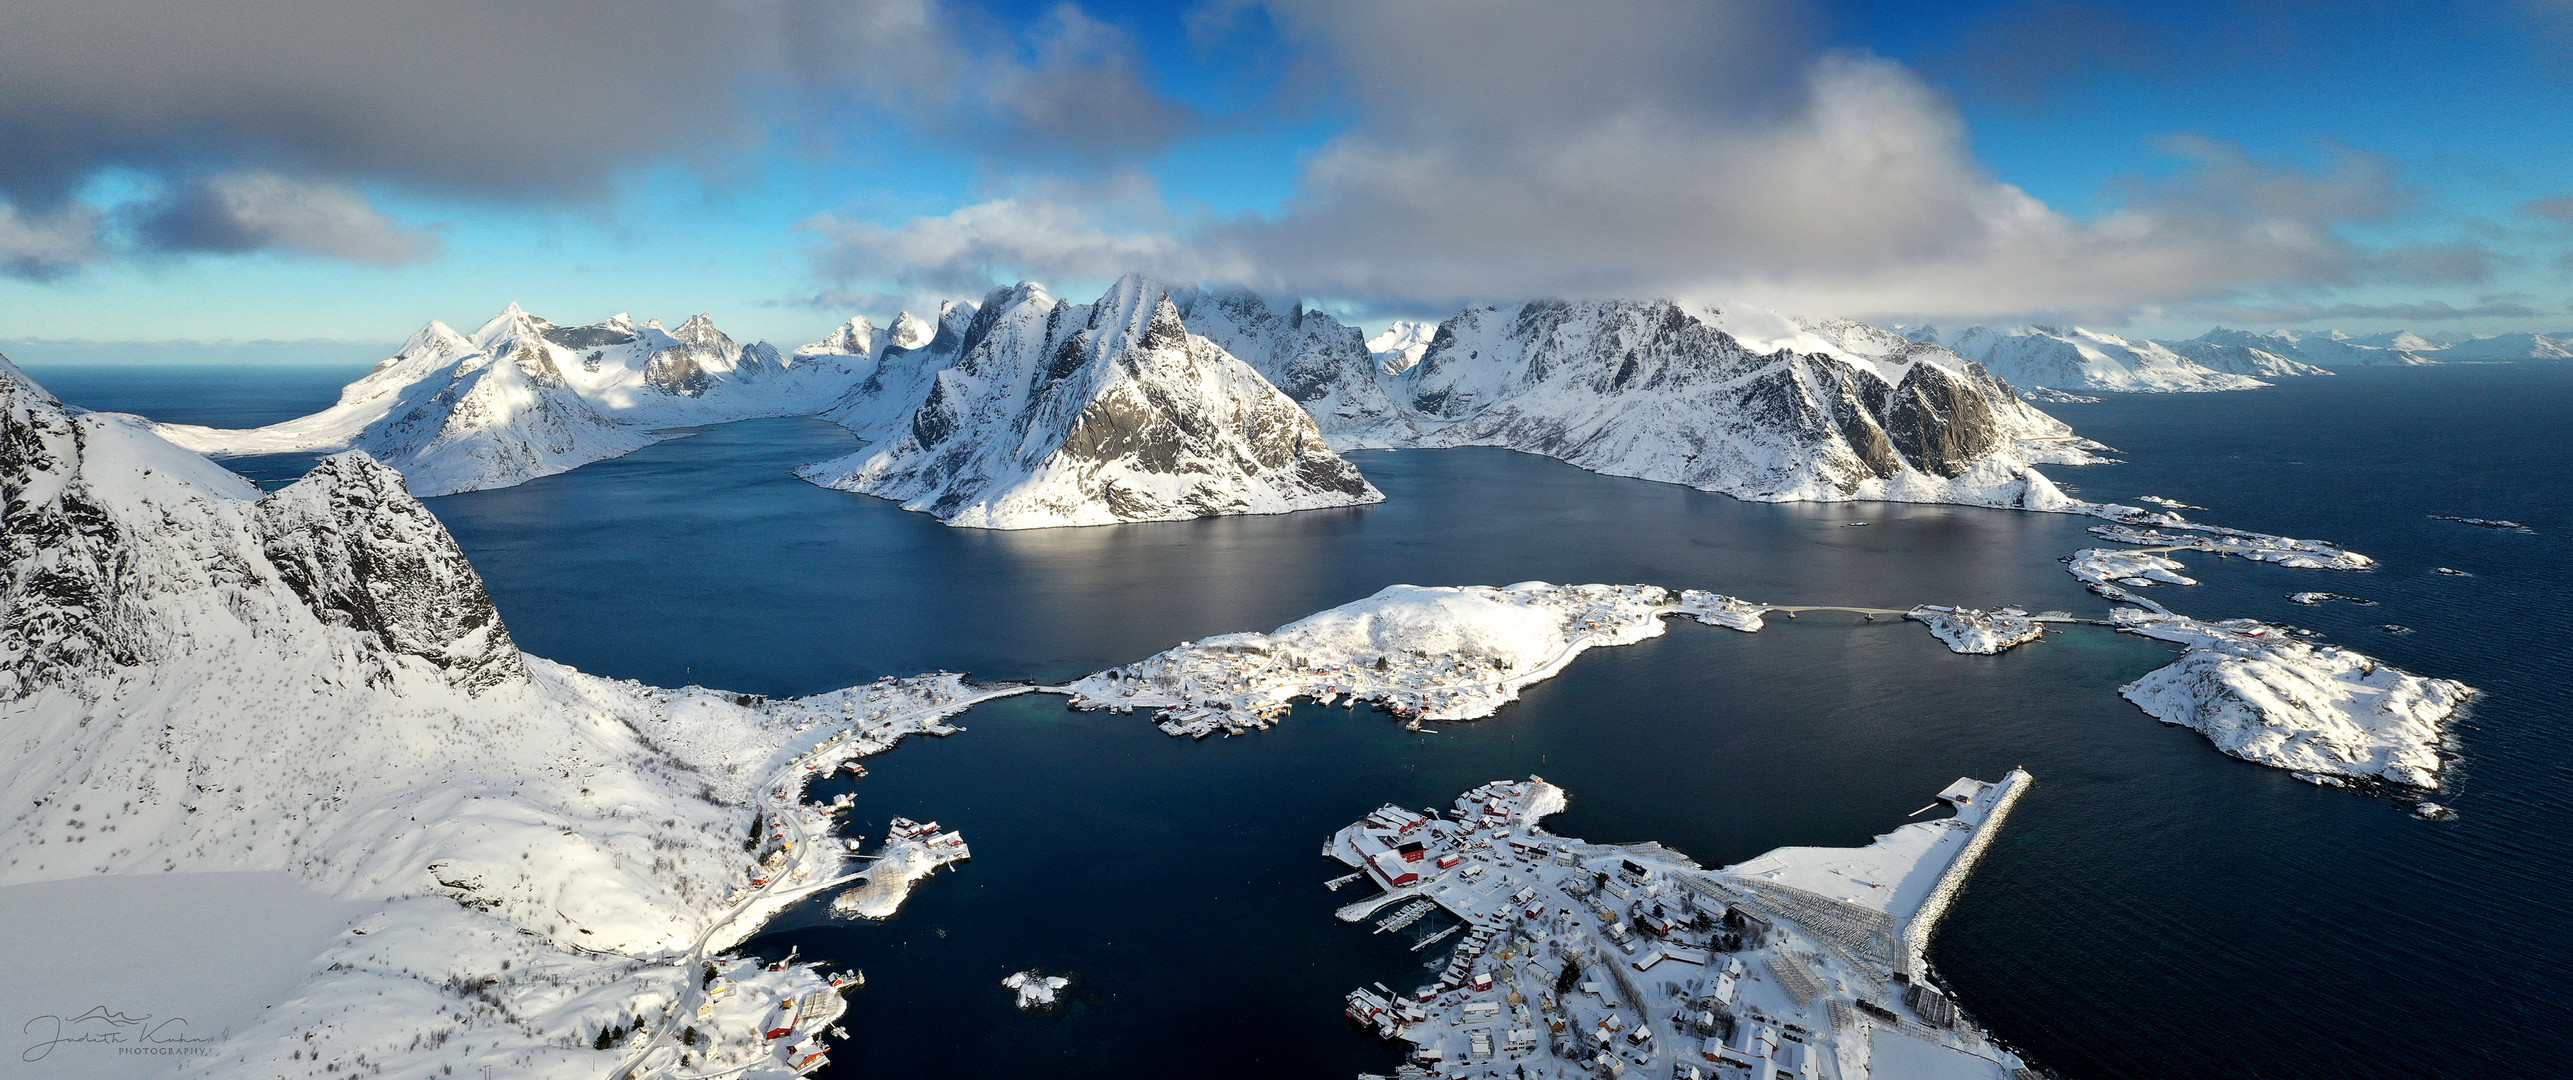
(344, 171)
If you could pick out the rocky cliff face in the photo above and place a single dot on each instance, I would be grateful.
(912, 353)
(363, 554)
(1056, 414)
(68, 609)
(126, 552)
(1323, 364)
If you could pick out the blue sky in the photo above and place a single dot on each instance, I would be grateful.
(314, 169)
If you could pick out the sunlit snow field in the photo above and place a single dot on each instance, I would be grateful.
(2153, 909)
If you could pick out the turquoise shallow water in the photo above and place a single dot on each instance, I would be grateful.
(2154, 908)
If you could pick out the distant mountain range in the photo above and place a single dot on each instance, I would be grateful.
(1163, 401)
(2046, 362)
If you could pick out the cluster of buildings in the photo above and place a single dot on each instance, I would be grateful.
(1610, 960)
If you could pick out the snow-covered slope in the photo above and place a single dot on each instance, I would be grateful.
(898, 372)
(1648, 389)
(2242, 359)
(2512, 347)
(1402, 344)
(2322, 348)
(197, 677)
(2078, 359)
(1326, 366)
(2261, 694)
(2407, 341)
(1056, 414)
(522, 397)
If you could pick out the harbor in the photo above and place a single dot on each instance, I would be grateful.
(1608, 960)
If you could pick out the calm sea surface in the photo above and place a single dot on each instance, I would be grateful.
(2154, 909)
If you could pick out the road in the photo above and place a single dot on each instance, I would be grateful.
(693, 990)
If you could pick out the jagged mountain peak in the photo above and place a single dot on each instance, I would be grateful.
(1055, 415)
(856, 337)
(910, 331)
(1401, 345)
(350, 540)
(513, 322)
(700, 331)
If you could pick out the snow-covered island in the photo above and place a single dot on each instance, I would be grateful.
(912, 850)
(2114, 572)
(1968, 630)
(1581, 960)
(1422, 653)
(1038, 992)
(2262, 693)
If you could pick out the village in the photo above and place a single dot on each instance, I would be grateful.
(743, 1018)
(1575, 959)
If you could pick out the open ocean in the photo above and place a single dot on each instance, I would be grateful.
(2153, 909)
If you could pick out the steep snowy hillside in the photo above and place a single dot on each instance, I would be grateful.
(2242, 359)
(913, 352)
(2076, 359)
(523, 398)
(197, 677)
(1647, 389)
(1323, 364)
(1061, 415)
(2325, 348)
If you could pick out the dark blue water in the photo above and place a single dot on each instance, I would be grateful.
(227, 396)
(237, 396)
(2155, 909)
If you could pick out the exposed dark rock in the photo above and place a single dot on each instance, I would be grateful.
(362, 553)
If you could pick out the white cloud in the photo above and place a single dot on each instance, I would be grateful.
(1001, 240)
(1503, 151)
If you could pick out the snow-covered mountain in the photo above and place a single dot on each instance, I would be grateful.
(2083, 360)
(2408, 341)
(1828, 409)
(196, 676)
(2242, 359)
(2321, 348)
(522, 397)
(1345, 382)
(1652, 390)
(1056, 414)
(898, 375)
(1402, 344)
(2511, 347)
